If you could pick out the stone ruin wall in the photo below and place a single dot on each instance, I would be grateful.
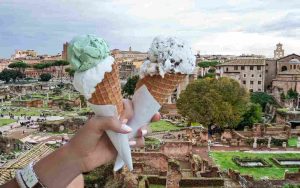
(178, 150)
(150, 162)
(8, 145)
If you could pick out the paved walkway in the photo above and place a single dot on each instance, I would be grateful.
(22, 119)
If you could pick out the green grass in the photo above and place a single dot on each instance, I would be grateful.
(224, 160)
(6, 121)
(163, 126)
(152, 141)
(157, 186)
(292, 142)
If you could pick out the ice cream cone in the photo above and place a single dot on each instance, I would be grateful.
(108, 91)
(159, 87)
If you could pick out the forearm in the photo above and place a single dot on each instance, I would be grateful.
(57, 169)
(11, 184)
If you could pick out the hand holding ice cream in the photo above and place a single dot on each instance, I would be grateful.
(97, 78)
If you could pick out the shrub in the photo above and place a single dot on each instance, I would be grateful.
(45, 77)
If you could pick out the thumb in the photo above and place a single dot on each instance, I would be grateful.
(113, 124)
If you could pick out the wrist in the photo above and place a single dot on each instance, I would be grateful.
(60, 165)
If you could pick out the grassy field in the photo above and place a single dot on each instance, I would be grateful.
(292, 142)
(163, 126)
(224, 160)
(6, 121)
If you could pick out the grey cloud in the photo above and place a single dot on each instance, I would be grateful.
(286, 23)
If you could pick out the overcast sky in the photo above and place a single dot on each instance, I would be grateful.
(211, 26)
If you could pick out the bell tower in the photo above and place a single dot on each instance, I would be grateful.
(279, 52)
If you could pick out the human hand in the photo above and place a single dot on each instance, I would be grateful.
(91, 147)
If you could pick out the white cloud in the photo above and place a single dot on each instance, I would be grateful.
(237, 43)
(231, 26)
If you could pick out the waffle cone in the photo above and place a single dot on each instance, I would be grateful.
(159, 87)
(108, 92)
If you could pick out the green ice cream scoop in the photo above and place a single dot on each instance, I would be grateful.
(86, 51)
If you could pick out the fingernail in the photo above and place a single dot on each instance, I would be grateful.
(126, 128)
(132, 142)
(144, 132)
(124, 121)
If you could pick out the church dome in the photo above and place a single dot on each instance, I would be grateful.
(294, 61)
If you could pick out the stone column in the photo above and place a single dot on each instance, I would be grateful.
(208, 145)
(174, 174)
(298, 142)
(80, 105)
(269, 142)
(255, 143)
(284, 144)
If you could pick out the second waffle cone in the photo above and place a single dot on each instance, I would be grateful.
(159, 87)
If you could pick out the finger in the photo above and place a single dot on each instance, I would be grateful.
(156, 117)
(109, 123)
(144, 131)
(128, 110)
(139, 142)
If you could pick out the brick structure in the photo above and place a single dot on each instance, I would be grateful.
(177, 149)
(150, 163)
(32, 103)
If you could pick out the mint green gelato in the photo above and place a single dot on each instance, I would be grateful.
(86, 51)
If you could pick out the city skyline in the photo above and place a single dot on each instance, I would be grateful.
(232, 27)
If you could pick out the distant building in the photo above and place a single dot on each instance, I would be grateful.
(24, 54)
(249, 72)
(278, 52)
(219, 58)
(64, 53)
(31, 57)
(270, 73)
(128, 55)
(127, 69)
(4, 64)
(129, 62)
(287, 75)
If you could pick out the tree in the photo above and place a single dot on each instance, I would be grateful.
(208, 75)
(205, 64)
(291, 94)
(45, 77)
(42, 66)
(10, 74)
(129, 87)
(251, 116)
(211, 101)
(20, 66)
(262, 99)
(70, 71)
(61, 64)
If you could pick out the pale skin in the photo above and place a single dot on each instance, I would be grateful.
(88, 149)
